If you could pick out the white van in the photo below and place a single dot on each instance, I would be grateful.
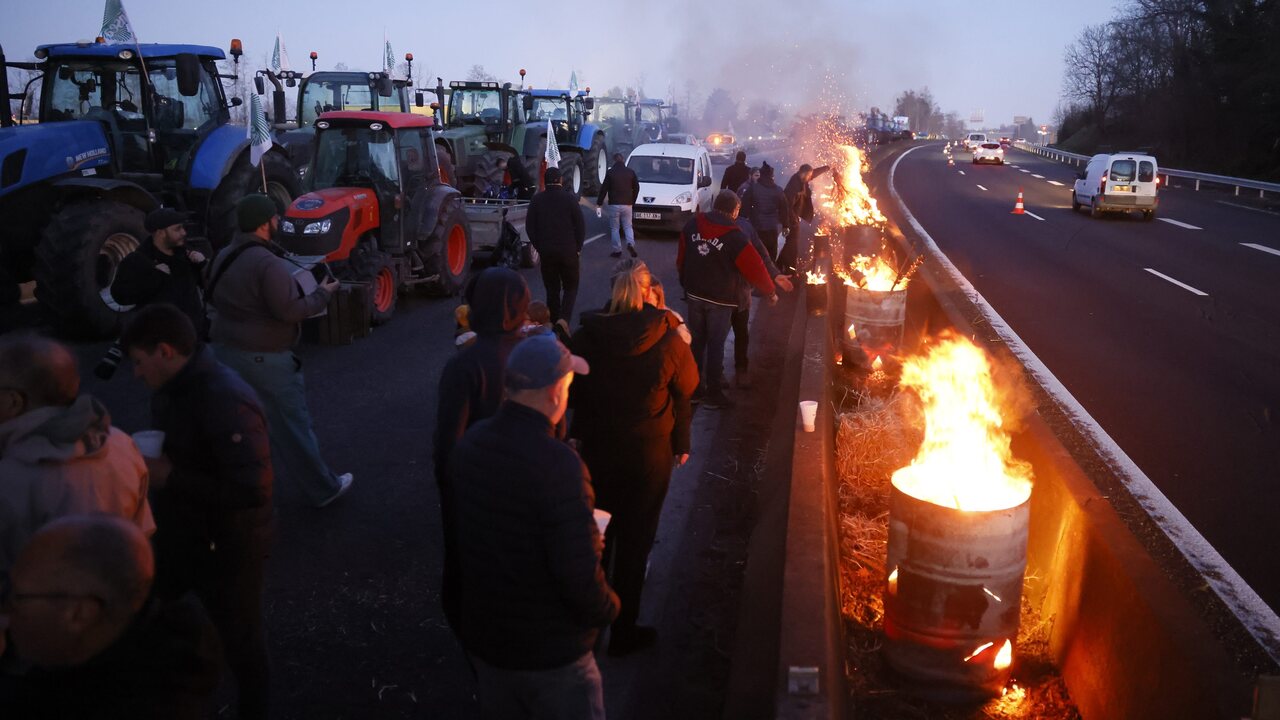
(675, 182)
(1118, 181)
(974, 140)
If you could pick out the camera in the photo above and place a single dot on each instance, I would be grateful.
(110, 362)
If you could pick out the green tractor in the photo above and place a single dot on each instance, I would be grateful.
(123, 129)
(626, 123)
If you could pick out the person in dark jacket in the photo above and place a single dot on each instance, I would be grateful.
(800, 200)
(736, 174)
(741, 321)
(471, 390)
(766, 207)
(534, 595)
(712, 255)
(619, 190)
(162, 269)
(632, 416)
(557, 230)
(101, 645)
(211, 489)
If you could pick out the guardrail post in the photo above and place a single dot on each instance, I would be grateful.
(1197, 184)
(1237, 191)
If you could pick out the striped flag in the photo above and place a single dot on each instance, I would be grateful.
(259, 130)
(389, 63)
(279, 57)
(115, 23)
(553, 149)
(573, 82)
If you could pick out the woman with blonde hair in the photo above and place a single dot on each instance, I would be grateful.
(632, 416)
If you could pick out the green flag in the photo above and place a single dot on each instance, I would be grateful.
(115, 23)
(279, 56)
(259, 129)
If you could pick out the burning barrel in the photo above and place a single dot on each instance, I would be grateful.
(954, 594)
(873, 324)
(958, 519)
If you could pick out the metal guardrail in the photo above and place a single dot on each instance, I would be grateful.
(1198, 177)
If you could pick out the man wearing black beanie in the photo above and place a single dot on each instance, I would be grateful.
(162, 269)
(258, 310)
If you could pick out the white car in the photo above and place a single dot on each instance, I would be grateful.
(675, 182)
(988, 152)
(974, 140)
(1120, 181)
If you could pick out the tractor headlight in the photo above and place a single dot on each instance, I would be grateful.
(683, 198)
(287, 226)
(317, 228)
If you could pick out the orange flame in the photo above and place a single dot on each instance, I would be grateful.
(1004, 658)
(853, 331)
(893, 582)
(849, 197)
(815, 278)
(965, 461)
(877, 363)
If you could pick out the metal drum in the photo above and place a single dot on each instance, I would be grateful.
(877, 319)
(953, 595)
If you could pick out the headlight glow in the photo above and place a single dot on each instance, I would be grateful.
(683, 197)
(316, 228)
(287, 226)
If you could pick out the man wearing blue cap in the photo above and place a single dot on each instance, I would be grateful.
(533, 594)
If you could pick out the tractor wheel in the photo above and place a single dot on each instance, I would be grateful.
(452, 241)
(597, 164)
(373, 266)
(282, 186)
(76, 263)
(571, 174)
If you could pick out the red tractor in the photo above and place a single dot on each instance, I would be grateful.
(374, 208)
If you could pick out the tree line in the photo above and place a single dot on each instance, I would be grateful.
(1197, 82)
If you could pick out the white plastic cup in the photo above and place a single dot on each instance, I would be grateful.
(150, 442)
(602, 520)
(809, 414)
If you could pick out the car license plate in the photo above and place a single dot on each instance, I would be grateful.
(1121, 188)
(648, 216)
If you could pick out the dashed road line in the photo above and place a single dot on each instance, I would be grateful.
(1055, 182)
(982, 188)
(1246, 207)
(960, 171)
(1028, 212)
(1038, 177)
(1263, 248)
(1179, 283)
(1179, 223)
(1025, 171)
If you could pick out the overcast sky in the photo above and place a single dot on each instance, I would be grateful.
(1004, 59)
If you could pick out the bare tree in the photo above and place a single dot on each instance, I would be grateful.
(1090, 71)
(477, 73)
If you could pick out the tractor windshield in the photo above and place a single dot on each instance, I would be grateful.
(475, 107)
(328, 95)
(549, 109)
(662, 170)
(651, 113)
(92, 89)
(354, 157)
(609, 112)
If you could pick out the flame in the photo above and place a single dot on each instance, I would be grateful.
(893, 582)
(964, 461)
(877, 363)
(849, 197)
(815, 278)
(1004, 658)
(877, 274)
(853, 331)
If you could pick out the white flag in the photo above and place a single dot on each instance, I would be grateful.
(259, 129)
(279, 57)
(573, 82)
(115, 23)
(553, 150)
(389, 63)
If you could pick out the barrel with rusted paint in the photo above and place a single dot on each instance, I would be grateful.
(873, 322)
(953, 595)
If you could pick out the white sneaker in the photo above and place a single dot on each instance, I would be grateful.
(345, 481)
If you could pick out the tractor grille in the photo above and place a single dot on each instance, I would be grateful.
(320, 243)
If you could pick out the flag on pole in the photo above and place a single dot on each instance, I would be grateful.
(553, 150)
(279, 57)
(115, 23)
(573, 82)
(389, 63)
(259, 130)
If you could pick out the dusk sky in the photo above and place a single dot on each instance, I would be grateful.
(1005, 59)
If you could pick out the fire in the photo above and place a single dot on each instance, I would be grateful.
(815, 278)
(877, 274)
(1004, 658)
(853, 331)
(877, 364)
(849, 196)
(965, 461)
(893, 582)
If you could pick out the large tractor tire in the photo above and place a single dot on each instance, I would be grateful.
(375, 267)
(571, 174)
(596, 164)
(452, 241)
(76, 263)
(282, 187)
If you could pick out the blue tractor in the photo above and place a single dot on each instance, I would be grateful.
(581, 141)
(122, 129)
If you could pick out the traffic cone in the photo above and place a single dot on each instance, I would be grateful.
(1017, 207)
(951, 162)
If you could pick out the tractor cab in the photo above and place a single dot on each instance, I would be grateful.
(374, 207)
(486, 122)
(567, 112)
(653, 120)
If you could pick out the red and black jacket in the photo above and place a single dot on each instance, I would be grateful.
(713, 253)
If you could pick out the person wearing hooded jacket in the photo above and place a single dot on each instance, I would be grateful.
(765, 205)
(59, 454)
(471, 390)
(632, 416)
(737, 174)
(712, 255)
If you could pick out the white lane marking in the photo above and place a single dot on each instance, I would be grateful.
(1179, 283)
(1263, 248)
(961, 172)
(1025, 171)
(1246, 207)
(1055, 182)
(1038, 177)
(1013, 166)
(1179, 223)
(1028, 212)
(592, 239)
(1258, 617)
(982, 188)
